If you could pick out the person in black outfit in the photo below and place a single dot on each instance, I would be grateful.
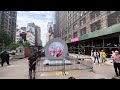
(32, 64)
(5, 58)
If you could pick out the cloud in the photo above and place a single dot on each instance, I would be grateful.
(40, 18)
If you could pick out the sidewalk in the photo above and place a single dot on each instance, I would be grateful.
(108, 62)
(19, 70)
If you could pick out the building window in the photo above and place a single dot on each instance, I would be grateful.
(83, 21)
(65, 38)
(83, 31)
(75, 34)
(95, 26)
(65, 32)
(68, 30)
(81, 13)
(94, 14)
(110, 12)
(74, 26)
(69, 36)
(75, 17)
(113, 18)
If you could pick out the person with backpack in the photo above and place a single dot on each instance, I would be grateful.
(96, 56)
(32, 64)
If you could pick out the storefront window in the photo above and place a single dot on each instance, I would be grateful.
(113, 42)
(98, 43)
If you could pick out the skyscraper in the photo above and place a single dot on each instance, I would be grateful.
(38, 36)
(50, 31)
(8, 22)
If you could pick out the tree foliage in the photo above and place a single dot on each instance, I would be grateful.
(6, 39)
(14, 45)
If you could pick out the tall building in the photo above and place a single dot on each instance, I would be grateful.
(8, 22)
(31, 28)
(47, 37)
(38, 41)
(23, 28)
(50, 28)
(87, 30)
(18, 34)
(30, 38)
(30, 33)
(56, 25)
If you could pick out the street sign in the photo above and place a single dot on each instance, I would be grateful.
(56, 49)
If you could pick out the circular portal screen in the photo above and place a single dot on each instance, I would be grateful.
(56, 49)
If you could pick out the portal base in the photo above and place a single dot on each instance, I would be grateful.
(57, 62)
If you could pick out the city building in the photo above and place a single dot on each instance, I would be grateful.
(30, 33)
(89, 30)
(31, 28)
(23, 28)
(50, 28)
(30, 38)
(8, 22)
(56, 25)
(38, 41)
(18, 32)
(47, 37)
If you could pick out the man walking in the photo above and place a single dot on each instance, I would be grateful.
(116, 62)
(32, 64)
(96, 56)
(5, 58)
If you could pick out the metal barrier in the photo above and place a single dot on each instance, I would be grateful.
(77, 64)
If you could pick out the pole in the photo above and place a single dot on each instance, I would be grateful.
(63, 67)
(92, 44)
(103, 43)
(119, 41)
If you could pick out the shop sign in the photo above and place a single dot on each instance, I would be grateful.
(75, 39)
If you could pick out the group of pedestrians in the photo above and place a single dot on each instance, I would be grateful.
(100, 56)
(4, 55)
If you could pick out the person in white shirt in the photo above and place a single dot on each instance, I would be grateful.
(96, 56)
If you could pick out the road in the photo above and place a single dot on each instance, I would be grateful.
(19, 70)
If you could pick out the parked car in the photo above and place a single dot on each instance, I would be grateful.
(12, 52)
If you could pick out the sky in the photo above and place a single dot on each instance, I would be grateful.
(40, 18)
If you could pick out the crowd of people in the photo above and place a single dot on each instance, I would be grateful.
(101, 57)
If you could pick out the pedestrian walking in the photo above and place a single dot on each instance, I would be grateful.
(4, 57)
(116, 62)
(96, 56)
(103, 56)
(32, 65)
(113, 52)
(92, 53)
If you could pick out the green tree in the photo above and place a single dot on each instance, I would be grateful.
(14, 45)
(26, 43)
(5, 38)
